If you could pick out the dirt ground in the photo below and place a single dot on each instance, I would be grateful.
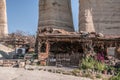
(22, 74)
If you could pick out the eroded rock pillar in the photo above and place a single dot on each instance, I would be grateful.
(3, 19)
(103, 16)
(56, 14)
(85, 16)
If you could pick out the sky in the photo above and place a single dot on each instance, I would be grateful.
(23, 15)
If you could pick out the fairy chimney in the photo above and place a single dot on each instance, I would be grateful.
(55, 14)
(3, 19)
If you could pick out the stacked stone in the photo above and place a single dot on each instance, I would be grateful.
(102, 16)
(3, 19)
(55, 14)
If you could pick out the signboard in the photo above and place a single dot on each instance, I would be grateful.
(111, 51)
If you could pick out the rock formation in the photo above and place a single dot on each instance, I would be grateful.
(100, 16)
(56, 14)
(85, 17)
(3, 19)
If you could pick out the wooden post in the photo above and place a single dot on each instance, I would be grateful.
(47, 47)
(47, 51)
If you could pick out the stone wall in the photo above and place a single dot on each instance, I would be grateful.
(55, 14)
(100, 16)
(3, 19)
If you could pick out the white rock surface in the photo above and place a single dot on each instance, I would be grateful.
(5, 52)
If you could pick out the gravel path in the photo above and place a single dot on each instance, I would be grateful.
(21, 74)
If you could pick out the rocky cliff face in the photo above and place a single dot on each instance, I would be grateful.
(100, 16)
(3, 19)
(55, 14)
